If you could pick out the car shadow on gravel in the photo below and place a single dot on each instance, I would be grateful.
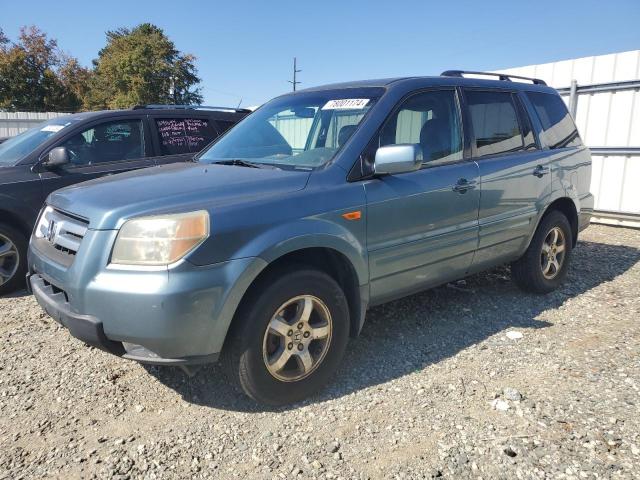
(410, 334)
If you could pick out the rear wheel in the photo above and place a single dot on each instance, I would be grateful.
(291, 334)
(544, 265)
(13, 261)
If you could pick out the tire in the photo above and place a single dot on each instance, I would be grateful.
(13, 259)
(252, 346)
(534, 272)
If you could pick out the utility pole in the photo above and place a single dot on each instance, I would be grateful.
(172, 88)
(295, 71)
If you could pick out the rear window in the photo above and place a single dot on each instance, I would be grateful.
(184, 135)
(495, 122)
(559, 130)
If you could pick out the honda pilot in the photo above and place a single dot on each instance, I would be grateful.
(267, 252)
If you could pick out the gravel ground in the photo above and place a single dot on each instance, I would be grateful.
(471, 380)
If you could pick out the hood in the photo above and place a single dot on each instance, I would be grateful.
(178, 187)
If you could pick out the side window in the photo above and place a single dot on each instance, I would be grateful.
(224, 125)
(495, 122)
(431, 120)
(559, 130)
(184, 135)
(107, 142)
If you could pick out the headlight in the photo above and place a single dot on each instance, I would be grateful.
(160, 240)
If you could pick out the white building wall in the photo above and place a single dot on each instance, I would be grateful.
(13, 123)
(606, 119)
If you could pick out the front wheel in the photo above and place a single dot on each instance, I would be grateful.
(13, 259)
(290, 336)
(544, 265)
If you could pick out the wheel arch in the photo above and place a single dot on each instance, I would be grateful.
(335, 264)
(567, 206)
(331, 260)
(16, 221)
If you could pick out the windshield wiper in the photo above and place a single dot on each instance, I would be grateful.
(244, 163)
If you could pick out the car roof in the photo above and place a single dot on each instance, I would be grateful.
(440, 80)
(220, 112)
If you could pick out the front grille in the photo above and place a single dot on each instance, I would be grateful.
(62, 231)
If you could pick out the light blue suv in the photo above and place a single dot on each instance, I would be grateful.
(267, 252)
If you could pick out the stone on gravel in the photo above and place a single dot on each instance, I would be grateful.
(500, 405)
(512, 394)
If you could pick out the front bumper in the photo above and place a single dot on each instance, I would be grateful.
(84, 327)
(89, 329)
(178, 316)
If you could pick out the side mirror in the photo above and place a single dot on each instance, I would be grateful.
(57, 157)
(401, 158)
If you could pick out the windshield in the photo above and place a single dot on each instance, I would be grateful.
(16, 148)
(304, 130)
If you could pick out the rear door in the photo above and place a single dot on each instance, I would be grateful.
(514, 174)
(422, 226)
(99, 148)
(178, 137)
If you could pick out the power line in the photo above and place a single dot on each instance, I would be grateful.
(295, 71)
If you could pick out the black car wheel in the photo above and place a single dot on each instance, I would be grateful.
(13, 259)
(290, 336)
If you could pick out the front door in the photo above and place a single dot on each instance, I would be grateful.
(104, 148)
(422, 227)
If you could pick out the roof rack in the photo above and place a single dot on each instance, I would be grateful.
(190, 107)
(501, 76)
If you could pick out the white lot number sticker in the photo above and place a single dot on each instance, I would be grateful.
(52, 128)
(346, 104)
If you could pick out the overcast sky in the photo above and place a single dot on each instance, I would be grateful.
(245, 48)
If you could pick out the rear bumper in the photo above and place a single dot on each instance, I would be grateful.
(586, 211)
(89, 329)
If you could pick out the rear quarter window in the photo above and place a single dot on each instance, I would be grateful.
(184, 135)
(558, 128)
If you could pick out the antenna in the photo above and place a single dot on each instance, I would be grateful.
(295, 71)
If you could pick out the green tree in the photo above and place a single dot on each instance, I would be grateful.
(30, 74)
(75, 78)
(142, 66)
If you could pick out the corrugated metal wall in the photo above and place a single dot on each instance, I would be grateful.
(293, 129)
(13, 123)
(605, 119)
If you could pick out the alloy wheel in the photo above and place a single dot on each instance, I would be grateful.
(297, 338)
(9, 259)
(553, 253)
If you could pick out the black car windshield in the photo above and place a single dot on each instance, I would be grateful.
(18, 147)
(303, 130)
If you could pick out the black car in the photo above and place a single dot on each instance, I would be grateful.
(79, 147)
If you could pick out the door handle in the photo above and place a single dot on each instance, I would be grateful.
(463, 185)
(541, 171)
